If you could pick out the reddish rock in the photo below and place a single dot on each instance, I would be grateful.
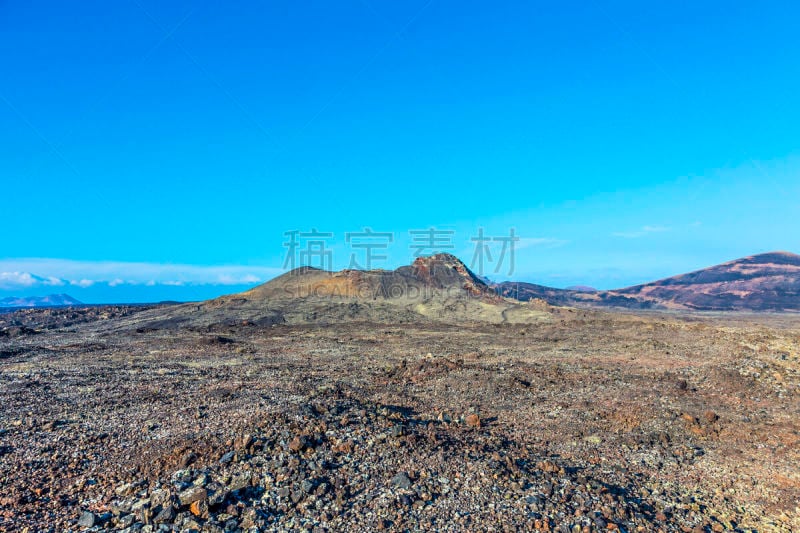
(473, 420)
(199, 509)
(299, 443)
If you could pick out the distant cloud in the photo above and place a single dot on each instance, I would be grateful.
(645, 230)
(654, 229)
(233, 280)
(26, 273)
(19, 279)
(26, 279)
(544, 242)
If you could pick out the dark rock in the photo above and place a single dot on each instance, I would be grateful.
(194, 494)
(166, 515)
(307, 486)
(126, 521)
(187, 459)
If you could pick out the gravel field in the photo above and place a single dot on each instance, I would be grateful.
(589, 421)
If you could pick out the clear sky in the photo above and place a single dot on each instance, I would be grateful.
(160, 150)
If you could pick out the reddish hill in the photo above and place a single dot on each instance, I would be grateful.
(435, 288)
(764, 282)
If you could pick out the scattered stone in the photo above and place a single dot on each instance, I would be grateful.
(291, 459)
(307, 486)
(187, 459)
(244, 443)
(402, 481)
(299, 443)
(240, 482)
(166, 515)
(473, 420)
(87, 519)
(126, 521)
(192, 495)
(548, 466)
(199, 508)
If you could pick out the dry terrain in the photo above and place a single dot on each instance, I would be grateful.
(576, 421)
(763, 282)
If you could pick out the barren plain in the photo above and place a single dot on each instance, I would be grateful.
(581, 421)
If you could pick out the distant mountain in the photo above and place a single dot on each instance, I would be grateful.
(581, 288)
(52, 300)
(524, 292)
(764, 282)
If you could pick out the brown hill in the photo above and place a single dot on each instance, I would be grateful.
(764, 282)
(435, 288)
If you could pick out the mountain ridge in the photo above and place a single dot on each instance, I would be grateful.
(51, 300)
(761, 282)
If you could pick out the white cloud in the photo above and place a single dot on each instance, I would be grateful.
(654, 229)
(645, 230)
(545, 242)
(226, 279)
(17, 279)
(36, 272)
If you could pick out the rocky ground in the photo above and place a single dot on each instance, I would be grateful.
(588, 421)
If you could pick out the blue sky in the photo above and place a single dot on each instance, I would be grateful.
(155, 151)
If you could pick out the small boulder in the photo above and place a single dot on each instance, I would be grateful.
(299, 443)
(402, 481)
(87, 519)
(187, 459)
(167, 515)
(194, 494)
(199, 509)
